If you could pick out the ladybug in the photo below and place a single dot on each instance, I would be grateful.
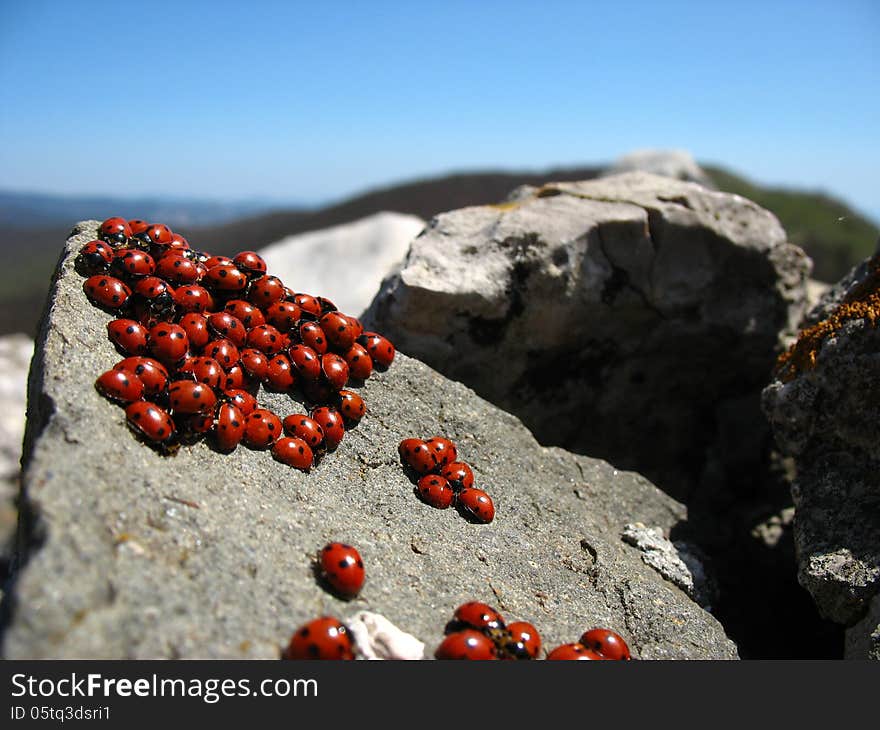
(265, 291)
(262, 428)
(305, 428)
(283, 315)
(178, 269)
(279, 374)
(160, 234)
(444, 450)
(205, 370)
(573, 651)
(129, 336)
(335, 370)
(311, 335)
(331, 423)
(607, 643)
(150, 422)
(223, 324)
(254, 362)
(225, 277)
(322, 638)
(251, 263)
(417, 455)
(338, 330)
(229, 426)
(357, 326)
(526, 642)
(467, 644)
(342, 569)
(435, 491)
(212, 261)
(245, 312)
(294, 452)
(379, 348)
(237, 378)
(178, 243)
(168, 343)
(351, 405)
(122, 386)
(193, 298)
(326, 305)
(106, 291)
(309, 305)
(187, 396)
(266, 338)
(306, 361)
(243, 400)
(150, 372)
(476, 504)
(133, 263)
(458, 474)
(137, 226)
(95, 256)
(477, 615)
(115, 231)
(192, 426)
(360, 364)
(223, 351)
(196, 327)
(156, 292)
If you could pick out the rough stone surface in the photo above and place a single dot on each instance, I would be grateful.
(634, 318)
(131, 554)
(677, 164)
(826, 418)
(863, 639)
(345, 263)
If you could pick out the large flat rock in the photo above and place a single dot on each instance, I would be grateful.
(131, 554)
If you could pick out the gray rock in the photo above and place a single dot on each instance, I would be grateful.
(131, 554)
(823, 409)
(677, 164)
(633, 318)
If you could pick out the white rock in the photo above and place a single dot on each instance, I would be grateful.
(345, 263)
(15, 359)
(677, 164)
(377, 638)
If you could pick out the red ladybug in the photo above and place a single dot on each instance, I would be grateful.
(250, 263)
(262, 428)
(191, 426)
(417, 455)
(254, 362)
(338, 331)
(335, 370)
(95, 256)
(435, 491)
(478, 615)
(342, 568)
(186, 396)
(223, 324)
(331, 423)
(223, 351)
(351, 405)
(360, 364)
(475, 503)
(607, 643)
(178, 243)
(245, 312)
(525, 638)
(308, 304)
(128, 335)
(150, 372)
(357, 326)
(122, 386)
(193, 298)
(137, 226)
(279, 374)
(311, 335)
(265, 291)
(573, 651)
(305, 428)
(178, 269)
(237, 378)
(306, 361)
(160, 233)
(150, 421)
(283, 315)
(156, 292)
(266, 338)
(196, 327)
(106, 291)
(379, 348)
(243, 400)
(467, 644)
(323, 638)
(115, 230)
(294, 452)
(458, 474)
(226, 278)
(205, 370)
(228, 427)
(212, 261)
(444, 450)
(168, 343)
(133, 263)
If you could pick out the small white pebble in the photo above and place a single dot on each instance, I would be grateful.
(377, 638)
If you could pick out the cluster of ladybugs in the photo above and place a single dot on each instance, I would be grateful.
(443, 480)
(201, 333)
(476, 632)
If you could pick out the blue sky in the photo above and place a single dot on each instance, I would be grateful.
(298, 101)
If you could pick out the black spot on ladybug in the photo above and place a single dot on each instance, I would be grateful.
(223, 273)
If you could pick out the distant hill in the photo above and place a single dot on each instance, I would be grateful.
(832, 234)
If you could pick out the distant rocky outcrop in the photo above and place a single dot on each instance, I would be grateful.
(823, 405)
(129, 554)
(345, 263)
(677, 164)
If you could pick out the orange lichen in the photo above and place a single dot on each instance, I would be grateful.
(861, 302)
